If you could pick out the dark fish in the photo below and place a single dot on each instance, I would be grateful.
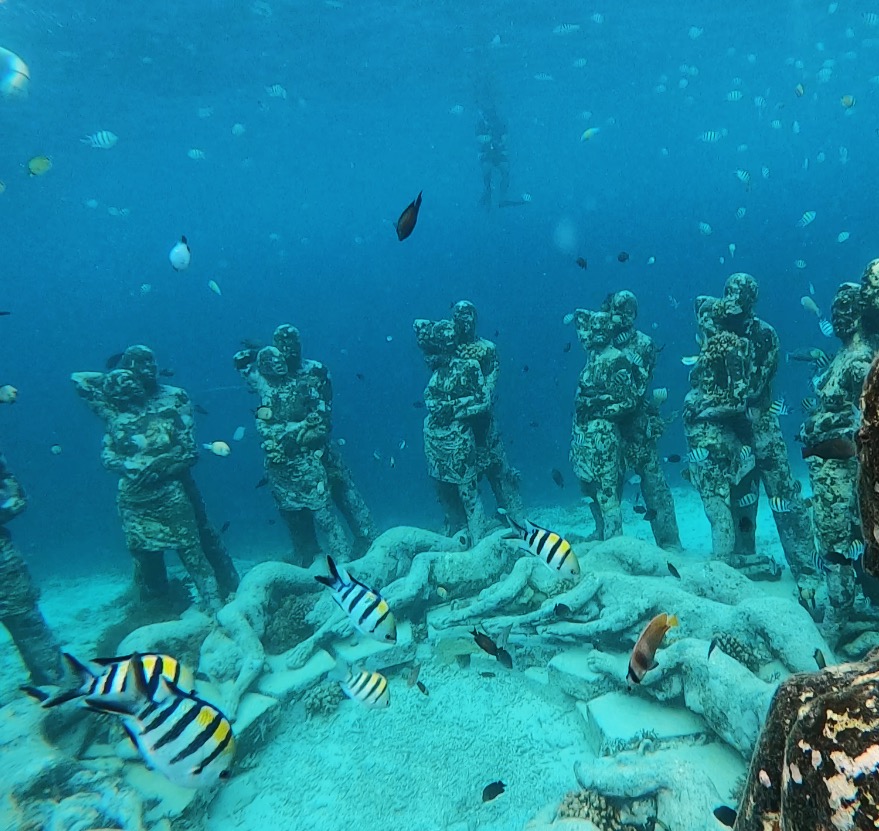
(488, 674)
(820, 659)
(262, 483)
(674, 458)
(567, 347)
(225, 527)
(711, 646)
(497, 333)
(485, 643)
(673, 571)
(504, 658)
(5, 314)
(359, 376)
(650, 515)
(421, 687)
(623, 256)
(534, 424)
(405, 225)
(726, 815)
(831, 449)
(640, 509)
(166, 373)
(581, 261)
(557, 477)
(562, 610)
(412, 677)
(525, 368)
(113, 361)
(837, 559)
(199, 409)
(493, 791)
(418, 405)
(272, 521)
(746, 525)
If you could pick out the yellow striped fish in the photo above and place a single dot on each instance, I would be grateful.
(179, 734)
(365, 608)
(111, 678)
(369, 688)
(553, 549)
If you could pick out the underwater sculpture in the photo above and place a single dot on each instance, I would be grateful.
(305, 471)
(150, 443)
(19, 613)
(616, 423)
(735, 440)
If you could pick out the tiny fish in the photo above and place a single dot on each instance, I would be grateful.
(660, 396)
(690, 360)
(369, 688)
(366, 609)
(484, 642)
(581, 261)
(262, 483)
(102, 140)
(726, 815)
(711, 647)
(166, 373)
(640, 509)
(225, 527)
(808, 405)
(418, 405)
(412, 677)
(504, 658)
(807, 219)
(421, 687)
(493, 791)
(697, 455)
(674, 458)
(180, 255)
(779, 505)
(488, 674)
(649, 515)
(212, 285)
(567, 347)
(838, 448)
(810, 305)
(551, 548)
(820, 659)
(199, 409)
(623, 257)
(779, 408)
(747, 500)
(39, 165)
(673, 571)
(5, 314)
(405, 225)
(855, 550)
(558, 478)
(218, 448)
(826, 327)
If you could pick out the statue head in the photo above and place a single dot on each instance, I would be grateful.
(623, 309)
(270, 363)
(594, 329)
(288, 342)
(735, 309)
(436, 339)
(123, 388)
(870, 299)
(464, 318)
(141, 361)
(845, 312)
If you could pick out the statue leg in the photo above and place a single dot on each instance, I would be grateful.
(199, 569)
(21, 616)
(607, 467)
(590, 492)
(300, 524)
(658, 498)
(326, 520)
(150, 573)
(711, 480)
(211, 541)
(350, 502)
(469, 493)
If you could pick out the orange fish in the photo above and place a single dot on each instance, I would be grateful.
(405, 225)
(643, 655)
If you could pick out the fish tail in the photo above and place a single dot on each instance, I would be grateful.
(418, 200)
(81, 670)
(335, 580)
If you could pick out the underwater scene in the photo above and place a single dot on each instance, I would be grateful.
(439, 416)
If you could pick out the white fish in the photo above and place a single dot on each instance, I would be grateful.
(775, 124)
(744, 177)
(795, 128)
(732, 250)
(526, 197)
(800, 264)
(705, 229)
(579, 63)
(690, 360)
(276, 91)
(218, 448)
(568, 319)
(734, 95)
(180, 255)
(212, 285)
(146, 288)
(843, 155)
(238, 129)
(543, 76)
(694, 32)
(205, 112)
(810, 305)
(238, 434)
(765, 172)
(807, 219)
(196, 155)
(598, 17)
(457, 109)
(826, 327)
(740, 213)
(102, 140)
(566, 29)
(650, 260)
(712, 136)
(843, 236)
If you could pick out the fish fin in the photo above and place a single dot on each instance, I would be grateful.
(672, 621)
(115, 707)
(511, 535)
(335, 580)
(630, 675)
(35, 692)
(130, 733)
(653, 665)
(417, 201)
(711, 647)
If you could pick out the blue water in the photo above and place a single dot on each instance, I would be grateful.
(365, 126)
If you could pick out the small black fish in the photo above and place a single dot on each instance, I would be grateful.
(673, 571)
(199, 409)
(485, 643)
(225, 527)
(493, 791)
(534, 424)
(262, 483)
(504, 658)
(562, 610)
(113, 361)
(405, 225)
(581, 261)
(166, 373)
(272, 521)
(674, 458)
(650, 515)
(746, 524)
(711, 647)
(640, 509)
(820, 659)
(418, 405)
(726, 815)
(420, 685)
(622, 256)
(567, 347)
(488, 674)
(497, 333)
(557, 477)
(359, 376)
(837, 559)
(5, 314)
(525, 368)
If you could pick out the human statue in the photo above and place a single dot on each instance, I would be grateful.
(732, 427)
(150, 443)
(491, 455)
(456, 392)
(491, 141)
(19, 612)
(616, 421)
(309, 480)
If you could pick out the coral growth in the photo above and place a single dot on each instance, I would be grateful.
(287, 624)
(322, 699)
(747, 653)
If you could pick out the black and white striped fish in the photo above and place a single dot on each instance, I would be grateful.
(179, 734)
(369, 688)
(553, 549)
(365, 608)
(112, 679)
(102, 140)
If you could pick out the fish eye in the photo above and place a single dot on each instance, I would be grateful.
(225, 774)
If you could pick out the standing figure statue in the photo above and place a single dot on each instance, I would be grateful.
(735, 440)
(306, 473)
(616, 423)
(19, 612)
(491, 141)
(150, 443)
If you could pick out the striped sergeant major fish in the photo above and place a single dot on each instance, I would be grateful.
(179, 734)
(369, 688)
(553, 549)
(112, 679)
(366, 609)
